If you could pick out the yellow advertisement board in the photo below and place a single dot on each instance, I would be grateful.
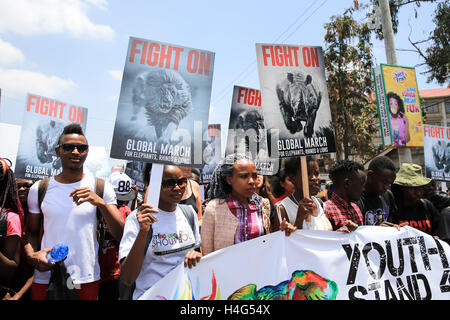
(402, 102)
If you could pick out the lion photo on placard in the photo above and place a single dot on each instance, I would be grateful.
(165, 97)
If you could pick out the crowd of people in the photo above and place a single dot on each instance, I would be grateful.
(120, 246)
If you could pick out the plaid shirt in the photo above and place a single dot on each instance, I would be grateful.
(338, 210)
(250, 218)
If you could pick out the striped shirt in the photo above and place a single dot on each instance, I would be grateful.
(250, 218)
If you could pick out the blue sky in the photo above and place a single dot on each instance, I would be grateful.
(74, 50)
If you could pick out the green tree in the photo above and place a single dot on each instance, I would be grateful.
(348, 61)
(437, 55)
(434, 50)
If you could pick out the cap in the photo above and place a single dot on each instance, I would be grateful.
(122, 186)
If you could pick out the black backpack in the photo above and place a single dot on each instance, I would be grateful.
(125, 291)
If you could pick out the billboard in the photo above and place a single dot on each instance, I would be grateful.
(399, 107)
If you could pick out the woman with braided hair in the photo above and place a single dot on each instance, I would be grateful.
(11, 222)
(235, 212)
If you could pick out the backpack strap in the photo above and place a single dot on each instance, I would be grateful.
(42, 189)
(188, 212)
(319, 200)
(3, 224)
(101, 231)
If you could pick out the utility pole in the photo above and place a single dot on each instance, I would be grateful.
(404, 154)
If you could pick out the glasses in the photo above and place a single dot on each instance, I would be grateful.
(170, 183)
(26, 185)
(69, 147)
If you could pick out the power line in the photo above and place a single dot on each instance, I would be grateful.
(225, 90)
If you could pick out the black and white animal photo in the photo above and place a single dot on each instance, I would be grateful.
(47, 135)
(165, 97)
(299, 102)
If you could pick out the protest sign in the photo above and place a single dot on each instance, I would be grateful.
(10, 145)
(371, 263)
(295, 99)
(164, 103)
(211, 153)
(247, 132)
(436, 141)
(43, 123)
(135, 170)
(399, 108)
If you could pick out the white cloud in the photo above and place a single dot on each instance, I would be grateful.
(102, 4)
(116, 74)
(10, 54)
(31, 17)
(17, 82)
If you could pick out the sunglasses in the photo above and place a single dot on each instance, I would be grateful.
(170, 183)
(69, 147)
(25, 185)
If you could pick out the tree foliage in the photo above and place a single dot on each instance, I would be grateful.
(436, 56)
(348, 61)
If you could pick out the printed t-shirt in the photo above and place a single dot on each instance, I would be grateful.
(72, 225)
(109, 259)
(374, 207)
(420, 216)
(172, 238)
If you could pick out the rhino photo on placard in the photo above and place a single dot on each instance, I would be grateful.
(164, 103)
(295, 98)
(247, 132)
(43, 123)
(437, 152)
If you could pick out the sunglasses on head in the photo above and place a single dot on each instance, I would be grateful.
(170, 183)
(69, 147)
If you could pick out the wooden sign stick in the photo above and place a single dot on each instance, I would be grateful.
(305, 182)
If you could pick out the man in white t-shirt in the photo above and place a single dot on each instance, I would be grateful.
(69, 217)
(173, 239)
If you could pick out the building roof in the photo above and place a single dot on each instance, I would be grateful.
(435, 93)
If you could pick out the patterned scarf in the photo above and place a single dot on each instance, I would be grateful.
(250, 218)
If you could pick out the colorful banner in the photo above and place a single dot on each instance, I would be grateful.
(43, 123)
(399, 108)
(295, 99)
(164, 104)
(247, 132)
(211, 153)
(436, 147)
(372, 263)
